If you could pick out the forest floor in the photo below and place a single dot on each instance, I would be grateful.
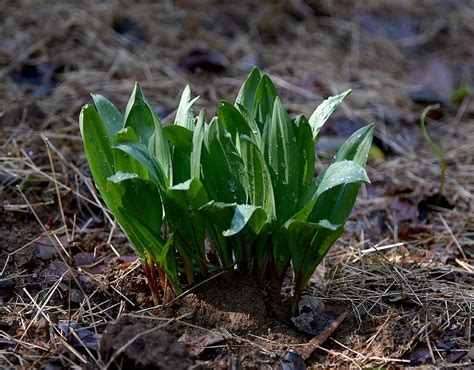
(397, 289)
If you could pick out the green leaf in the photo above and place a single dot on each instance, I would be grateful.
(168, 262)
(123, 162)
(182, 140)
(356, 148)
(309, 242)
(233, 121)
(246, 95)
(241, 224)
(140, 116)
(140, 220)
(246, 215)
(337, 203)
(140, 198)
(145, 157)
(300, 235)
(184, 114)
(264, 99)
(222, 167)
(113, 120)
(324, 110)
(179, 136)
(219, 213)
(339, 173)
(160, 147)
(198, 137)
(336, 175)
(259, 183)
(182, 202)
(255, 131)
(306, 148)
(97, 146)
(282, 157)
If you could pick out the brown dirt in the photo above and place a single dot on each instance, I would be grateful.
(404, 266)
(152, 348)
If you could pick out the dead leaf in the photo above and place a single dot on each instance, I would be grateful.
(129, 29)
(47, 246)
(314, 315)
(419, 356)
(78, 336)
(6, 288)
(292, 361)
(405, 209)
(436, 78)
(196, 345)
(204, 60)
(90, 263)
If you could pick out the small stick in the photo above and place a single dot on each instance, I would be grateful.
(319, 340)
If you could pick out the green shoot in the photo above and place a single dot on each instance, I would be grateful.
(243, 181)
(436, 149)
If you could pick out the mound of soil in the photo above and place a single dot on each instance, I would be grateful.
(222, 322)
(130, 344)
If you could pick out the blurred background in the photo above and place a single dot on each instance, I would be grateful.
(396, 56)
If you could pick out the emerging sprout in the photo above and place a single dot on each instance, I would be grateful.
(244, 181)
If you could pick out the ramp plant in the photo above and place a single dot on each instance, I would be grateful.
(236, 193)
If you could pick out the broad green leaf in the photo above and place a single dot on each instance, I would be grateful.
(264, 99)
(182, 140)
(233, 121)
(146, 238)
(324, 110)
(356, 148)
(124, 162)
(282, 157)
(240, 224)
(159, 146)
(336, 205)
(259, 183)
(134, 213)
(246, 215)
(222, 167)
(344, 172)
(246, 95)
(246, 225)
(179, 136)
(97, 146)
(218, 218)
(182, 202)
(300, 235)
(140, 116)
(219, 213)
(309, 243)
(306, 149)
(255, 131)
(336, 175)
(109, 114)
(140, 198)
(184, 114)
(145, 157)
